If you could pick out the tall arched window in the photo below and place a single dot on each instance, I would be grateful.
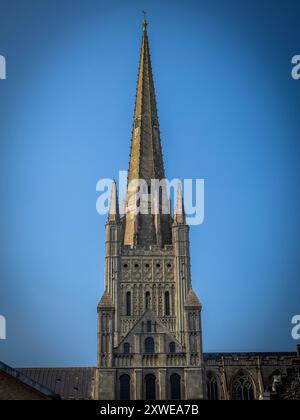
(147, 300)
(167, 303)
(175, 381)
(212, 387)
(149, 345)
(126, 348)
(128, 303)
(149, 326)
(242, 388)
(125, 387)
(150, 382)
(172, 347)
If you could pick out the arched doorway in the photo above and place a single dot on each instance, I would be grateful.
(150, 382)
(175, 387)
(125, 387)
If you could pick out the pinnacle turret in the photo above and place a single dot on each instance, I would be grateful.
(179, 213)
(114, 214)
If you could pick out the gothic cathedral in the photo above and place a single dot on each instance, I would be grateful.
(149, 317)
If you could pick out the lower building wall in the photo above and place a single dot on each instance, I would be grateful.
(105, 384)
(195, 388)
(152, 383)
(224, 377)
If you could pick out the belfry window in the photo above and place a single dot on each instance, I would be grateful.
(126, 348)
(147, 300)
(136, 123)
(128, 304)
(172, 347)
(149, 345)
(167, 303)
(149, 326)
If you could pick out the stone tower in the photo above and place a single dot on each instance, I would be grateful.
(149, 317)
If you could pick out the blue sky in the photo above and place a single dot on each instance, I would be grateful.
(229, 113)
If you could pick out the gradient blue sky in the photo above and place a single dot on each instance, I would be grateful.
(229, 113)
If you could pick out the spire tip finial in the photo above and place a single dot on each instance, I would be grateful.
(145, 20)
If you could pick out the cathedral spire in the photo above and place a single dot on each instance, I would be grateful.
(146, 159)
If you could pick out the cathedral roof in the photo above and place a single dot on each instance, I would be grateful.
(106, 301)
(17, 382)
(192, 299)
(70, 383)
